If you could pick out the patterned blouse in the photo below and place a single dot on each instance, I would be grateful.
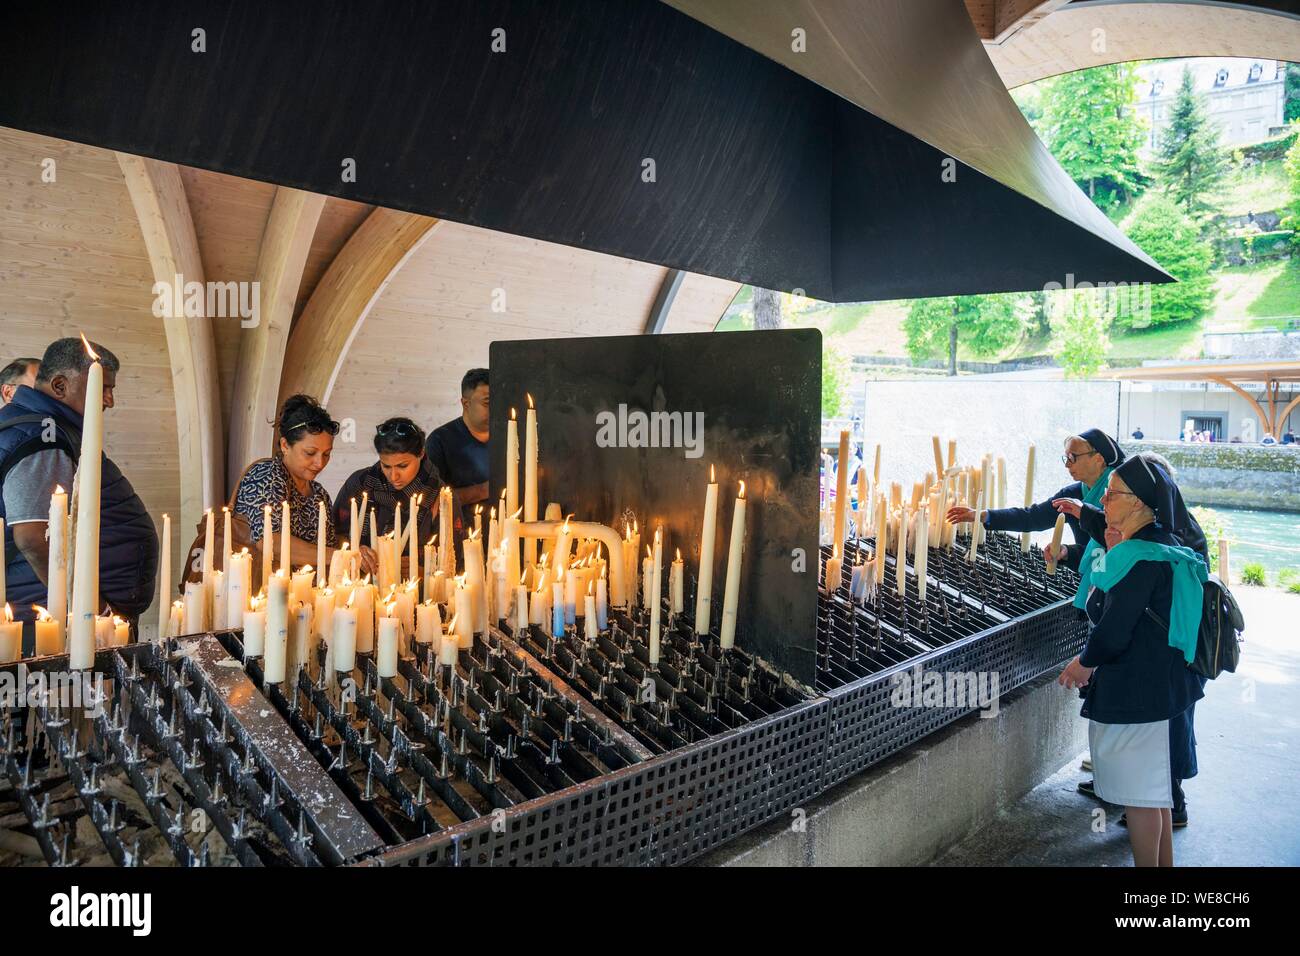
(267, 482)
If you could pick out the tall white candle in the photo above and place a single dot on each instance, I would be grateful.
(58, 566)
(354, 526)
(218, 588)
(472, 549)
(322, 527)
(323, 618)
(428, 624)
(386, 655)
(922, 549)
(285, 524)
(882, 538)
(209, 543)
(1029, 495)
(731, 591)
(343, 643)
(677, 584)
(656, 595)
(512, 464)
(1056, 542)
(85, 591)
(841, 493)
(277, 628)
(446, 532)
(194, 622)
(704, 588)
(530, 478)
(255, 627)
(900, 564)
(602, 601)
(464, 614)
(267, 539)
(363, 602)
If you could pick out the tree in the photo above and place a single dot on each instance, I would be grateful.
(1291, 86)
(988, 324)
(1168, 235)
(1291, 211)
(767, 309)
(835, 380)
(1190, 163)
(1090, 126)
(1080, 318)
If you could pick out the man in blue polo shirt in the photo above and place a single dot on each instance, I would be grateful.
(459, 449)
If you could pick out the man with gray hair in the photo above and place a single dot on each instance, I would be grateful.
(40, 445)
(21, 371)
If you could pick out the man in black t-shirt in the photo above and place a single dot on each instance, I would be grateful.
(459, 449)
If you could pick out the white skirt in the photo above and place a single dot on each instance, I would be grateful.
(1130, 763)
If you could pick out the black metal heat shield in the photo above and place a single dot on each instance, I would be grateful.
(760, 395)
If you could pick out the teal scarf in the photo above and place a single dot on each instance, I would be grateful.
(1091, 496)
(1190, 574)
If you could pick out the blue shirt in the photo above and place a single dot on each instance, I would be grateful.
(459, 457)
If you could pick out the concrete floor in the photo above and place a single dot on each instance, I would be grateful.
(1242, 806)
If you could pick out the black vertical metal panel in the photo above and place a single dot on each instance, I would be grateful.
(548, 139)
(760, 393)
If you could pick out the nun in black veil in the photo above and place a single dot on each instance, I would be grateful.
(1144, 606)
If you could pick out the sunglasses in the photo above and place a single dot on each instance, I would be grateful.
(396, 429)
(316, 427)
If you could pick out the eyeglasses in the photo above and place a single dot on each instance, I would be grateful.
(1069, 458)
(1111, 492)
(396, 429)
(316, 428)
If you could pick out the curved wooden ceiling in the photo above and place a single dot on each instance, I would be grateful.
(1086, 33)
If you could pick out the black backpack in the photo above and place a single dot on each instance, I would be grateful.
(1218, 646)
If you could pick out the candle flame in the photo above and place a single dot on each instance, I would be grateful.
(347, 581)
(42, 615)
(327, 591)
(305, 569)
(389, 610)
(117, 621)
(530, 399)
(518, 512)
(742, 490)
(351, 597)
(478, 510)
(345, 546)
(512, 414)
(9, 613)
(565, 529)
(451, 626)
(472, 535)
(279, 573)
(89, 351)
(591, 587)
(365, 580)
(713, 477)
(58, 490)
(679, 554)
(492, 515)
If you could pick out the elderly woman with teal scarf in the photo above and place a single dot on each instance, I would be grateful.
(1184, 526)
(1144, 606)
(1089, 458)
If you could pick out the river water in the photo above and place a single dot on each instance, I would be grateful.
(1270, 537)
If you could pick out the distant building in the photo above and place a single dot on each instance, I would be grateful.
(1244, 97)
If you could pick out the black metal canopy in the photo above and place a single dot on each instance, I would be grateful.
(624, 127)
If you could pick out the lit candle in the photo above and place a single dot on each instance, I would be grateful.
(226, 541)
(557, 605)
(510, 534)
(209, 585)
(656, 595)
(121, 632)
(512, 463)
(677, 584)
(704, 588)
(255, 627)
(85, 591)
(1029, 495)
(354, 526)
(521, 609)
(572, 579)
(176, 618)
(472, 549)
(834, 573)
(103, 631)
(450, 647)
(537, 609)
(428, 624)
(58, 566)
(11, 636)
(300, 640)
(267, 538)
(386, 656)
(446, 532)
(239, 585)
(343, 643)
(464, 614)
(341, 562)
(530, 478)
(322, 531)
(277, 627)
(323, 618)
(302, 578)
(404, 600)
(731, 591)
(363, 601)
(413, 536)
(1056, 542)
(49, 633)
(602, 601)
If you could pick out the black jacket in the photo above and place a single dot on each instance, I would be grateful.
(1040, 517)
(1139, 678)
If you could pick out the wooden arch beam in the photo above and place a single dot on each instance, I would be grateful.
(280, 262)
(1259, 410)
(158, 195)
(1281, 419)
(344, 297)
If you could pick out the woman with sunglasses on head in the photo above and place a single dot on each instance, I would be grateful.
(1089, 458)
(402, 472)
(306, 441)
